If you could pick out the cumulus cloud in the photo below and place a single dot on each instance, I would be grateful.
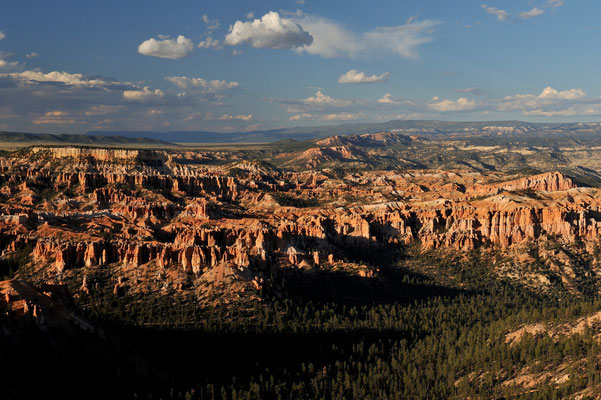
(297, 117)
(71, 103)
(103, 109)
(320, 104)
(548, 96)
(571, 111)
(33, 77)
(387, 99)
(331, 39)
(322, 107)
(250, 15)
(390, 100)
(209, 43)
(344, 116)
(2, 35)
(54, 117)
(203, 85)
(7, 65)
(60, 99)
(356, 76)
(445, 105)
(321, 99)
(532, 13)
(33, 54)
(167, 48)
(341, 116)
(553, 103)
(501, 15)
(271, 31)
(324, 37)
(144, 95)
(228, 117)
(212, 24)
(570, 94)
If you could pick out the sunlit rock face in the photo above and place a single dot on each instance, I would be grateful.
(170, 214)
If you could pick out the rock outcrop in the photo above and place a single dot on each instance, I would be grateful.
(188, 214)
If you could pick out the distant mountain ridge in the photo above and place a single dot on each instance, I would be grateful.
(23, 137)
(421, 127)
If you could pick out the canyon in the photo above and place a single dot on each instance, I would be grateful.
(157, 219)
(112, 247)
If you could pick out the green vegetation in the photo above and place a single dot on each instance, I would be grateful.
(285, 200)
(10, 265)
(329, 335)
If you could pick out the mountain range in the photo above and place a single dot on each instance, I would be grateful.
(422, 127)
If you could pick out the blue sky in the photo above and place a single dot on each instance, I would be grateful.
(75, 66)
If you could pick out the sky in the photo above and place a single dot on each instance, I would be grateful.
(78, 66)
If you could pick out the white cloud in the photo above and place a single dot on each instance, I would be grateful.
(167, 48)
(250, 15)
(330, 39)
(54, 117)
(271, 31)
(209, 116)
(445, 105)
(321, 99)
(553, 103)
(501, 15)
(2, 35)
(203, 85)
(320, 104)
(33, 54)
(300, 2)
(402, 40)
(297, 117)
(344, 116)
(387, 99)
(65, 78)
(103, 109)
(548, 96)
(196, 116)
(555, 3)
(228, 117)
(144, 95)
(532, 13)
(472, 90)
(571, 111)
(209, 43)
(7, 65)
(71, 103)
(570, 94)
(212, 24)
(355, 76)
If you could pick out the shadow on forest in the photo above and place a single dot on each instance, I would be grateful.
(148, 360)
(389, 285)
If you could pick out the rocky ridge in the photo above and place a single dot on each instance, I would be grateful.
(185, 217)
